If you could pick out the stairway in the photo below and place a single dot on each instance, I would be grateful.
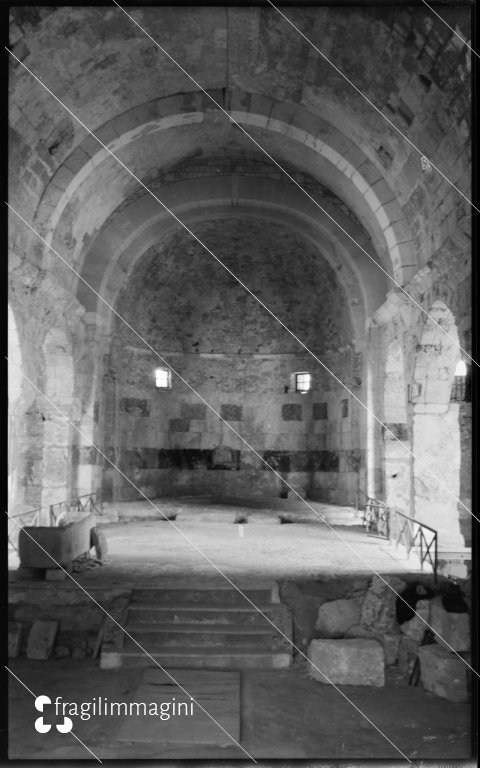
(212, 628)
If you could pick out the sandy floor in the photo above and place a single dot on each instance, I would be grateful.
(284, 715)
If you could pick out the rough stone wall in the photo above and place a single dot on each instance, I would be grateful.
(242, 362)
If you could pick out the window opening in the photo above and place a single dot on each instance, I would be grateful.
(461, 390)
(303, 382)
(163, 378)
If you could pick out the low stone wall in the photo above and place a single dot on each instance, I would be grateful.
(79, 619)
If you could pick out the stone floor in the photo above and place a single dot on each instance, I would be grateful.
(149, 547)
(285, 714)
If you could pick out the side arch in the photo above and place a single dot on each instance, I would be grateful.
(436, 429)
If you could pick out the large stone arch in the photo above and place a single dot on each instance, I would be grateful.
(436, 430)
(350, 173)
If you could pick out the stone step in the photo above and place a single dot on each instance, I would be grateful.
(206, 627)
(261, 510)
(204, 658)
(211, 597)
(140, 613)
(153, 635)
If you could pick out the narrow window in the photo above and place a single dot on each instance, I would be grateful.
(303, 382)
(163, 378)
(461, 390)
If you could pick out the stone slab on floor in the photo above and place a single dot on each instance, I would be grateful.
(443, 673)
(41, 640)
(347, 662)
(217, 692)
(337, 616)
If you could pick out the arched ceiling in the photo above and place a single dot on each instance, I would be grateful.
(178, 300)
(199, 191)
(278, 88)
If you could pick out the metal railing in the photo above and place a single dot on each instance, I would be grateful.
(415, 536)
(62, 510)
(401, 529)
(58, 514)
(375, 517)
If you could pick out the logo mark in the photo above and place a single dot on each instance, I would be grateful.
(42, 727)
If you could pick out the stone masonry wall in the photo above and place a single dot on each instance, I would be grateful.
(242, 362)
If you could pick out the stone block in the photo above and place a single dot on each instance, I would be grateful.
(347, 662)
(41, 639)
(194, 411)
(391, 644)
(231, 412)
(415, 628)
(407, 653)
(337, 616)
(320, 411)
(291, 412)
(443, 673)
(378, 609)
(178, 425)
(43, 546)
(14, 639)
(453, 628)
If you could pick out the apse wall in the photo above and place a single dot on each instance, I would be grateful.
(241, 362)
